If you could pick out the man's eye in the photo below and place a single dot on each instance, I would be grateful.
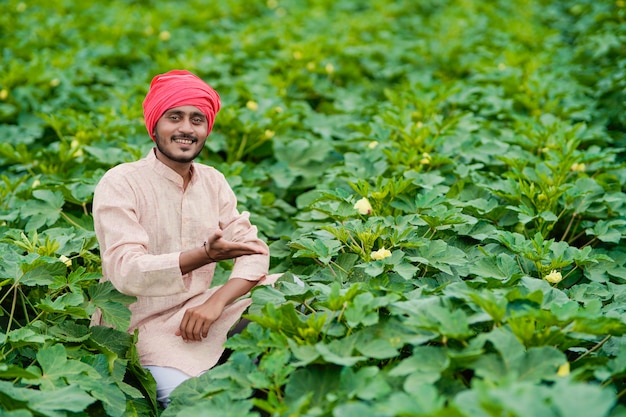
(173, 117)
(197, 120)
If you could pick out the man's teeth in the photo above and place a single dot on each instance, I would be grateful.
(185, 141)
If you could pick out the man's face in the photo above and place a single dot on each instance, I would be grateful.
(180, 133)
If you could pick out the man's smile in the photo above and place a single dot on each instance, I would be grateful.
(184, 140)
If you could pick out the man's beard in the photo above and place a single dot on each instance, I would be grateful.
(181, 159)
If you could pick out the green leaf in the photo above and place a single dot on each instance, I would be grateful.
(51, 403)
(324, 250)
(339, 352)
(58, 370)
(316, 381)
(582, 400)
(501, 267)
(13, 371)
(112, 304)
(425, 365)
(41, 272)
(44, 210)
(366, 383)
(439, 255)
(423, 400)
(378, 349)
(355, 409)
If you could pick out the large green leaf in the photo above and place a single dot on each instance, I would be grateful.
(44, 210)
(53, 403)
(112, 304)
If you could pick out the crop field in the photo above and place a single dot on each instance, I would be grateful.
(446, 177)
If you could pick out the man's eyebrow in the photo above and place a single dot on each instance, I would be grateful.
(180, 113)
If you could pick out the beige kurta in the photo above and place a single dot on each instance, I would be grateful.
(144, 219)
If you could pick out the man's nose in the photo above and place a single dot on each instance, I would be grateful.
(186, 126)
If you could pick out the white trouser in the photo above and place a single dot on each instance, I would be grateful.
(166, 380)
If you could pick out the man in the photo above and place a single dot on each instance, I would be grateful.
(162, 222)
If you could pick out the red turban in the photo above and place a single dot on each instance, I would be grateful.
(178, 88)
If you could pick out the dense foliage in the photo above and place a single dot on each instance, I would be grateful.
(446, 177)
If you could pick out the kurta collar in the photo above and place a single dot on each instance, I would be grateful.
(165, 171)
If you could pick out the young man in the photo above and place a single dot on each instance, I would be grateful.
(162, 222)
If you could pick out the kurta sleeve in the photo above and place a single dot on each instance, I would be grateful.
(124, 243)
(237, 227)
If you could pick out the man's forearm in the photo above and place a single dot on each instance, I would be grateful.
(193, 259)
(231, 290)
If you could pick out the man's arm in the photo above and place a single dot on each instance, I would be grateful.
(197, 320)
(217, 249)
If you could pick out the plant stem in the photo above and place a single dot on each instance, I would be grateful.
(569, 227)
(593, 349)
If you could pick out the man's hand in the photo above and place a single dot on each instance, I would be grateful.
(197, 321)
(218, 249)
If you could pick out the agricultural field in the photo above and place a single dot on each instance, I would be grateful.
(446, 177)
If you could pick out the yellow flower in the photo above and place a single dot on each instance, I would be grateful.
(330, 68)
(252, 105)
(67, 261)
(426, 158)
(380, 254)
(310, 66)
(576, 167)
(372, 144)
(297, 55)
(165, 36)
(363, 206)
(563, 369)
(554, 277)
(4, 93)
(55, 82)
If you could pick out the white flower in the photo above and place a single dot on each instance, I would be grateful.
(380, 254)
(363, 206)
(67, 261)
(554, 277)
